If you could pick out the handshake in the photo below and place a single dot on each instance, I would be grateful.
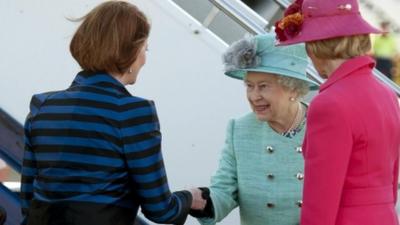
(201, 203)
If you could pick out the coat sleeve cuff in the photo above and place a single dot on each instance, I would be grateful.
(185, 199)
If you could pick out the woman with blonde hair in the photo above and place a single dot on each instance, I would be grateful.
(352, 143)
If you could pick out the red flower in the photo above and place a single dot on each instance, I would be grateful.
(294, 8)
(289, 26)
(280, 34)
(292, 29)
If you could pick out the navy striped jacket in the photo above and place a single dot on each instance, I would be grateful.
(93, 156)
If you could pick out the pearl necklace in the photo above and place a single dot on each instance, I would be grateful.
(296, 120)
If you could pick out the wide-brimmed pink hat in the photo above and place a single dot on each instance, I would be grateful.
(312, 20)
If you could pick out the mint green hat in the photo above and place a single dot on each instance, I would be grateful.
(259, 54)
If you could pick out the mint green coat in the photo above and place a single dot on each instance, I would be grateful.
(261, 172)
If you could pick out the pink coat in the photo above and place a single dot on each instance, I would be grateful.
(351, 150)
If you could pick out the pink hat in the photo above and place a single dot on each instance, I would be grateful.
(312, 20)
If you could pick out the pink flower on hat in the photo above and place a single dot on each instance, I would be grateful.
(290, 25)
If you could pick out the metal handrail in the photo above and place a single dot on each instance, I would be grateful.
(11, 141)
(283, 3)
(243, 16)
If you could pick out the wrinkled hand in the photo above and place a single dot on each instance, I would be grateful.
(198, 203)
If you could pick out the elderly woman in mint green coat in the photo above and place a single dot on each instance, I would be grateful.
(261, 167)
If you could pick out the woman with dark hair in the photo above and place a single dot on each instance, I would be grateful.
(93, 151)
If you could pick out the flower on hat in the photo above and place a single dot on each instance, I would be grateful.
(294, 8)
(241, 55)
(290, 25)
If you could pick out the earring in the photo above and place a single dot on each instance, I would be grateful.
(292, 99)
(130, 70)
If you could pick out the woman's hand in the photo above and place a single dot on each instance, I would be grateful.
(198, 202)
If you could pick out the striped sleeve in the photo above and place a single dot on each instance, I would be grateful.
(29, 169)
(142, 149)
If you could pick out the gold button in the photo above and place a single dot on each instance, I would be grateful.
(270, 149)
(299, 203)
(300, 176)
(270, 205)
(299, 149)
